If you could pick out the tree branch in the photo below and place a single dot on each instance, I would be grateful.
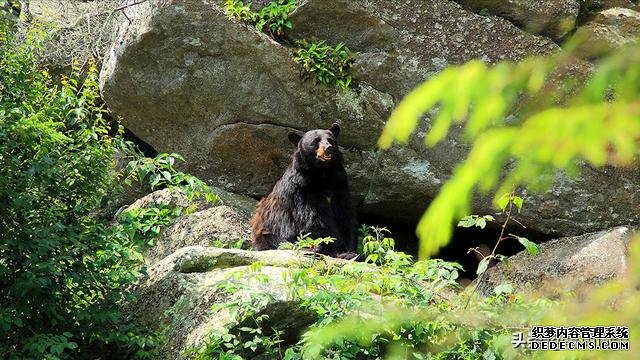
(81, 18)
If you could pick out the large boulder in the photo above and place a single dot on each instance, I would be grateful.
(553, 18)
(180, 292)
(223, 224)
(608, 30)
(185, 78)
(596, 5)
(566, 264)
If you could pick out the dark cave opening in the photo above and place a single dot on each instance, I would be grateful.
(457, 250)
(128, 135)
(146, 149)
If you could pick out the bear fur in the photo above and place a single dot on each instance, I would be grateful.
(312, 197)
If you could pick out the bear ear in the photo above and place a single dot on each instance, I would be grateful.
(295, 136)
(335, 129)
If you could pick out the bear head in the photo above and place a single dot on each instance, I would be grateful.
(318, 147)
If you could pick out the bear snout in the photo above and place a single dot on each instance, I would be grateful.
(328, 149)
(324, 153)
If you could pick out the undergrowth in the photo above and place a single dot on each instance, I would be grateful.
(368, 297)
(65, 270)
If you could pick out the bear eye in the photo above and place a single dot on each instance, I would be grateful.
(316, 140)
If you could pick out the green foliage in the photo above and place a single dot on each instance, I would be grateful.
(143, 225)
(562, 125)
(482, 328)
(400, 309)
(507, 203)
(371, 298)
(366, 295)
(378, 248)
(63, 269)
(305, 242)
(272, 19)
(328, 65)
(475, 220)
(237, 9)
(160, 172)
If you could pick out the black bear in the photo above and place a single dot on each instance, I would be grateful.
(312, 197)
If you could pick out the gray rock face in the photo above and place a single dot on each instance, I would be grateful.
(224, 224)
(180, 290)
(404, 43)
(565, 264)
(610, 29)
(553, 18)
(186, 79)
(592, 5)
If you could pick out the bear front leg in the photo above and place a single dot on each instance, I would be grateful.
(316, 219)
(324, 227)
(345, 216)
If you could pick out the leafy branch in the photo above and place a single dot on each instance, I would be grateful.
(160, 172)
(506, 203)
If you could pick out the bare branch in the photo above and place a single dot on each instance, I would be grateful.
(84, 17)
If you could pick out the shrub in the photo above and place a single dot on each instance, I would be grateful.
(328, 65)
(361, 311)
(62, 271)
(160, 172)
(239, 10)
(273, 19)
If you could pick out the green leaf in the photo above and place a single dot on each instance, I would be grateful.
(290, 354)
(489, 218)
(475, 220)
(488, 355)
(531, 247)
(467, 221)
(483, 265)
(517, 201)
(155, 179)
(503, 201)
